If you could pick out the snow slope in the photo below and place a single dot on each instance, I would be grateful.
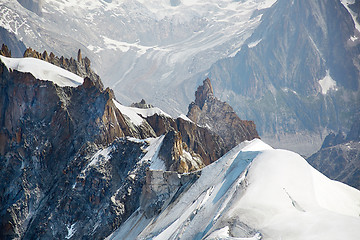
(137, 115)
(43, 71)
(255, 192)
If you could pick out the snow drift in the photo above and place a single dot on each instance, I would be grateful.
(255, 192)
(43, 71)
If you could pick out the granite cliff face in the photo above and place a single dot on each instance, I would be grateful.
(74, 163)
(49, 135)
(339, 157)
(219, 117)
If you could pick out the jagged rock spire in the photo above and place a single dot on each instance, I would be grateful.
(5, 51)
(219, 117)
(79, 57)
(204, 92)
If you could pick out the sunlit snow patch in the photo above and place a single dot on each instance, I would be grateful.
(327, 83)
(137, 115)
(152, 153)
(352, 13)
(184, 117)
(70, 230)
(354, 38)
(43, 71)
(130, 113)
(254, 44)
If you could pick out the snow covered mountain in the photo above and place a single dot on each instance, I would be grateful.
(139, 48)
(254, 192)
(282, 62)
(43, 70)
(298, 75)
(73, 159)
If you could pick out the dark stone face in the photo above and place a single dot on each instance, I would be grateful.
(15, 47)
(32, 5)
(67, 168)
(339, 157)
(275, 82)
(220, 117)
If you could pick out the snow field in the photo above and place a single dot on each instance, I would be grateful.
(43, 71)
(255, 191)
(137, 115)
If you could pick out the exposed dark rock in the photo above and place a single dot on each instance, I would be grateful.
(274, 78)
(332, 139)
(81, 66)
(49, 136)
(172, 152)
(10, 41)
(32, 5)
(68, 170)
(339, 157)
(354, 133)
(356, 8)
(5, 51)
(201, 140)
(218, 116)
(142, 104)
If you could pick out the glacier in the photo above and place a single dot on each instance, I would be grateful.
(154, 49)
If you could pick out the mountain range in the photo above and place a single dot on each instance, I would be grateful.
(72, 155)
(85, 159)
(286, 65)
(78, 164)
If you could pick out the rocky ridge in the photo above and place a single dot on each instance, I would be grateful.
(79, 66)
(292, 75)
(10, 41)
(339, 157)
(48, 136)
(210, 112)
(73, 163)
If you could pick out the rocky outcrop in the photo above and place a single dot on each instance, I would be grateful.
(81, 66)
(160, 187)
(201, 140)
(32, 5)
(219, 117)
(9, 40)
(339, 157)
(65, 161)
(142, 104)
(5, 51)
(70, 165)
(177, 156)
(277, 77)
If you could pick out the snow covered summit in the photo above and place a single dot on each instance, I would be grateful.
(43, 71)
(255, 192)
